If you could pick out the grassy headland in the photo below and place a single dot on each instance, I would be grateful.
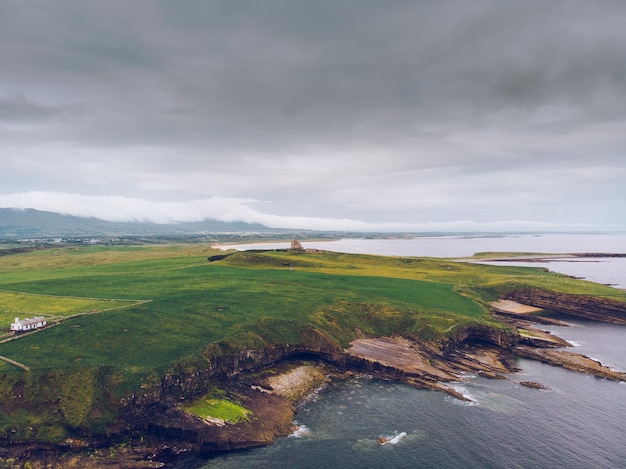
(84, 366)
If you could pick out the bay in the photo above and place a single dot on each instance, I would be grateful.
(580, 422)
(463, 246)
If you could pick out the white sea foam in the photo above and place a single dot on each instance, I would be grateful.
(462, 389)
(313, 396)
(396, 439)
(300, 432)
(391, 439)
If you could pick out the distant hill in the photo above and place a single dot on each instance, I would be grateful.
(29, 223)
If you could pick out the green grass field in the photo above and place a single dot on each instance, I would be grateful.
(125, 316)
(54, 307)
(194, 303)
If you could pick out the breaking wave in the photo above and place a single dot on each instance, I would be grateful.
(462, 389)
(300, 431)
(391, 439)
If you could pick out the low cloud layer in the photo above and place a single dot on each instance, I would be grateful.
(126, 209)
(406, 114)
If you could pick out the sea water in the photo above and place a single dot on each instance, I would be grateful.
(580, 422)
(464, 245)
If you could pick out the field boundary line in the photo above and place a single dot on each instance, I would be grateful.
(73, 297)
(13, 362)
(62, 319)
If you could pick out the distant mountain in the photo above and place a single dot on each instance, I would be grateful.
(29, 223)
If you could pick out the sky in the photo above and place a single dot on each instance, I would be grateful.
(422, 115)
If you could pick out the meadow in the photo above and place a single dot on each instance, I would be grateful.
(157, 305)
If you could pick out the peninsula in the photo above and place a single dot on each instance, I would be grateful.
(150, 350)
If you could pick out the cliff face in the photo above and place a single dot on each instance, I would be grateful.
(225, 362)
(154, 411)
(597, 309)
(481, 335)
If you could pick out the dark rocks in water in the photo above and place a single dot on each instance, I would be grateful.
(491, 375)
(570, 361)
(534, 385)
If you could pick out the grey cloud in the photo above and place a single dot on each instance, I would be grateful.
(18, 109)
(305, 104)
(277, 73)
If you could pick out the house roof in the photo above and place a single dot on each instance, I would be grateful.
(29, 321)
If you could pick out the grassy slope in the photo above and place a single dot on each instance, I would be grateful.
(194, 303)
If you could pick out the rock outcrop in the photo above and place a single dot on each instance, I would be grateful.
(426, 365)
(570, 361)
(534, 385)
(597, 309)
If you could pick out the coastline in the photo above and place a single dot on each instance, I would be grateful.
(274, 392)
(279, 244)
(485, 352)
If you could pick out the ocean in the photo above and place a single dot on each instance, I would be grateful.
(580, 422)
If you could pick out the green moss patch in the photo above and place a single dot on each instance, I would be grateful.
(212, 408)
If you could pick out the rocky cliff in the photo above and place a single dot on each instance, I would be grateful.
(597, 309)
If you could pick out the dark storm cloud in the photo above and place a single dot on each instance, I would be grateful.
(291, 96)
(329, 69)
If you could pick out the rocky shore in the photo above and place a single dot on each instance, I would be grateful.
(595, 309)
(425, 365)
(570, 361)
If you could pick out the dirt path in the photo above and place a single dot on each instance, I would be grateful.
(13, 362)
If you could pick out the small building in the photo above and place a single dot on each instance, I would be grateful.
(296, 246)
(28, 324)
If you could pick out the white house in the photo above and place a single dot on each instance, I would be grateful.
(28, 324)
